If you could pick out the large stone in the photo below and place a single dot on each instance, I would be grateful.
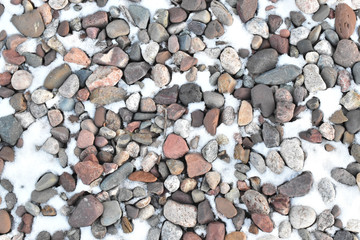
(262, 97)
(175, 147)
(107, 95)
(112, 213)
(298, 186)
(10, 129)
(280, 75)
(313, 79)
(98, 19)
(115, 57)
(86, 212)
(211, 120)
(88, 171)
(117, 177)
(196, 165)
(302, 216)
(262, 61)
(57, 76)
(345, 20)
(346, 53)
(256, 202)
(292, 153)
(246, 9)
(181, 214)
(308, 6)
(5, 221)
(225, 207)
(230, 60)
(103, 76)
(135, 71)
(29, 24)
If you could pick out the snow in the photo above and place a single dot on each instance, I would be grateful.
(6, 108)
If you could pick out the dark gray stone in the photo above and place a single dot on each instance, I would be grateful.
(343, 176)
(298, 186)
(353, 123)
(262, 61)
(329, 75)
(280, 75)
(190, 93)
(270, 135)
(135, 71)
(10, 129)
(262, 97)
(117, 177)
(322, 13)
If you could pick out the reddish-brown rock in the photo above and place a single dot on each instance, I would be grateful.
(226, 84)
(263, 222)
(175, 146)
(5, 78)
(115, 57)
(67, 182)
(104, 76)
(175, 111)
(48, 211)
(5, 222)
(236, 236)
(191, 236)
(85, 139)
(64, 28)
(225, 207)
(78, 56)
(211, 120)
(26, 223)
(7, 154)
(88, 171)
(215, 231)
(13, 57)
(311, 135)
(345, 20)
(246, 9)
(177, 15)
(142, 176)
(83, 94)
(45, 12)
(187, 62)
(98, 19)
(87, 211)
(279, 43)
(196, 165)
(280, 203)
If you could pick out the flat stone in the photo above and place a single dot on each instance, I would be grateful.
(175, 147)
(271, 135)
(245, 115)
(43, 196)
(107, 95)
(215, 231)
(346, 53)
(262, 61)
(135, 71)
(225, 207)
(115, 57)
(292, 153)
(88, 171)
(112, 213)
(263, 222)
(29, 24)
(10, 129)
(211, 120)
(86, 212)
(205, 214)
(57, 76)
(256, 202)
(181, 214)
(280, 75)
(142, 176)
(5, 222)
(214, 29)
(246, 9)
(98, 19)
(196, 165)
(117, 177)
(313, 79)
(298, 186)
(103, 76)
(343, 176)
(140, 15)
(258, 26)
(345, 20)
(21, 80)
(262, 97)
(46, 181)
(221, 13)
(78, 56)
(302, 216)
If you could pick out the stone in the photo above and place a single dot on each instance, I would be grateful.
(225, 207)
(5, 220)
(346, 53)
(171, 231)
(112, 213)
(262, 97)
(21, 80)
(213, 99)
(177, 15)
(140, 15)
(205, 214)
(115, 57)
(172, 183)
(26, 223)
(175, 147)
(258, 162)
(103, 76)
(284, 112)
(214, 29)
(210, 151)
(181, 214)
(43, 196)
(107, 95)
(274, 162)
(57, 76)
(280, 75)
(215, 230)
(88, 171)
(313, 80)
(160, 74)
(343, 176)
(262, 61)
(78, 56)
(150, 51)
(86, 212)
(285, 229)
(255, 202)
(327, 131)
(67, 182)
(302, 216)
(221, 13)
(270, 135)
(298, 34)
(196, 165)
(292, 153)
(189, 93)
(29, 24)
(135, 71)
(211, 120)
(345, 20)
(46, 181)
(307, 7)
(263, 222)
(13, 57)
(325, 220)
(196, 5)
(351, 100)
(226, 84)
(258, 26)
(158, 33)
(10, 129)
(298, 186)
(142, 176)
(117, 177)
(235, 236)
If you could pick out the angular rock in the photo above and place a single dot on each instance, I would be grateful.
(313, 79)
(246, 9)
(211, 120)
(196, 165)
(86, 212)
(181, 214)
(10, 129)
(29, 24)
(103, 77)
(76, 55)
(88, 171)
(298, 186)
(107, 95)
(135, 71)
(175, 147)
(292, 153)
(115, 57)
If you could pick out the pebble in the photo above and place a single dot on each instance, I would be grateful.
(353, 225)
(263, 222)
(70, 87)
(117, 28)
(351, 100)
(298, 34)
(214, 29)
(258, 26)
(246, 9)
(140, 15)
(271, 135)
(346, 53)
(29, 24)
(21, 80)
(112, 213)
(43, 196)
(258, 162)
(345, 20)
(210, 151)
(262, 61)
(274, 162)
(135, 71)
(212, 179)
(226, 84)
(115, 57)
(171, 231)
(326, 190)
(57, 76)
(280, 75)
(292, 153)
(160, 74)
(158, 33)
(172, 183)
(298, 186)
(5, 222)
(285, 229)
(88, 171)
(221, 13)
(302, 216)
(196, 165)
(329, 76)
(225, 207)
(325, 220)
(86, 212)
(32, 209)
(182, 127)
(343, 176)
(150, 51)
(308, 7)
(211, 120)
(255, 202)
(215, 230)
(46, 181)
(180, 214)
(189, 93)
(107, 95)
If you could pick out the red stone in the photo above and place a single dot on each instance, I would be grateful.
(15, 40)
(242, 186)
(100, 141)
(7, 154)
(142, 176)
(175, 111)
(13, 57)
(279, 43)
(191, 236)
(311, 135)
(88, 171)
(263, 222)
(187, 62)
(211, 120)
(133, 125)
(246, 9)
(284, 33)
(196, 165)
(92, 32)
(67, 182)
(88, 210)
(5, 78)
(78, 56)
(83, 94)
(215, 231)
(175, 147)
(85, 139)
(26, 223)
(98, 19)
(345, 20)
(280, 203)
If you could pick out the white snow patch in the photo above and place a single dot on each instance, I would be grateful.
(6, 108)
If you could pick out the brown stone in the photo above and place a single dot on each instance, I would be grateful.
(7, 154)
(196, 165)
(78, 56)
(67, 182)
(225, 207)
(243, 93)
(115, 57)
(280, 203)
(338, 117)
(235, 236)
(279, 43)
(226, 84)
(175, 111)
(162, 57)
(83, 95)
(214, 29)
(63, 29)
(48, 211)
(142, 176)
(177, 15)
(241, 153)
(15, 40)
(263, 222)
(345, 20)
(98, 19)
(246, 9)
(245, 115)
(26, 223)
(1, 166)
(92, 32)
(86, 212)
(311, 135)
(45, 12)
(175, 147)
(215, 231)
(253, 229)
(13, 57)
(88, 171)
(104, 76)
(126, 225)
(131, 127)
(5, 222)
(85, 139)
(190, 236)
(147, 105)
(187, 62)
(211, 120)
(5, 78)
